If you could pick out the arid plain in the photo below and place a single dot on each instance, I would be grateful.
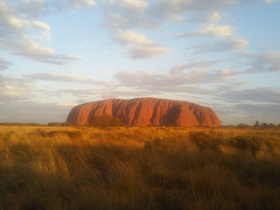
(68, 167)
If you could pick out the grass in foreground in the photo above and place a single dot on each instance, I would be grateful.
(139, 168)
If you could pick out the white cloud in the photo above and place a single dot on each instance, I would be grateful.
(4, 64)
(128, 14)
(140, 13)
(15, 89)
(174, 81)
(132, 37)
(224, 45)
(220, 31)
(214, 17)
(270, 1)
(10, 24)
(45, 76)
(40, 25)
(202, 18)
(33, 8)
(78, 3)
(260, 94)
(195, 65)
(174, 10)
(130, 5)
(263, 62)
(211, 30)
(29, 49)
(39, 8)
(137, 45)
(165, 9)
(120, 21)
(147, 52)
(33, 1)
(16, 38)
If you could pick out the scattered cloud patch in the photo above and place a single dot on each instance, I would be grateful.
(263, 62)
(31, 50)
(139, 52)
(138, 46)
(270, 1)
(133, 38)
(214, 17)
(196, 65)
(264, 109)
(118, 21)
(211, 30)
(264, 95)
(85, 95)
(224, 45)
(174, 80)
(45, 76)
(130, 5)
(15, 89)
(16, 38)
(4, 64)
(79, 3)
(220, 31)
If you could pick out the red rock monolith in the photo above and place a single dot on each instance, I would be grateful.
(145, 112)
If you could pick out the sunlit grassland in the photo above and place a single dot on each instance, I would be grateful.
(45, 167)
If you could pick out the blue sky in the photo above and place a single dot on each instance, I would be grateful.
(55, 54)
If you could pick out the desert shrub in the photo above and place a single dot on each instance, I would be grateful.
(215, 183)
(105, 120)
(204, 141)
(267, 199)
(249, 144)
(167, 199)
(268, 172)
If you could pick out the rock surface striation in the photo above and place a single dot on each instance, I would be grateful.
(146, 111)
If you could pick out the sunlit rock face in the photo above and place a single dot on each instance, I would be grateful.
(145, 112)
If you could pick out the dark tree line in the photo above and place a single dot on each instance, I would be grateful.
(260, 125)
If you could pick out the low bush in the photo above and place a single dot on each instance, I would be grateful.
(204, 141)
(251, 144)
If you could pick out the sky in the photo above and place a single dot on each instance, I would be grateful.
(224, 54)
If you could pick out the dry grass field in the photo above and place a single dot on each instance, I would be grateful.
(48, 167)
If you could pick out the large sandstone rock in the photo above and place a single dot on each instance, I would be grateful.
(146, 111)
